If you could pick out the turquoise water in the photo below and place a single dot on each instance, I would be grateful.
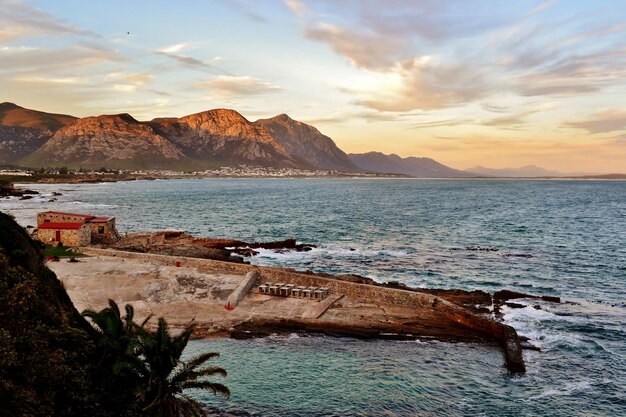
(571, 234)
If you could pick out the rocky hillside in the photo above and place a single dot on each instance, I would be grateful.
(307, 144)
(116, 141)
(22, 131)
(208, 139)
(412, 166)
(224, 137)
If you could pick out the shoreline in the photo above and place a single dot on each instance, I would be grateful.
(201, 290)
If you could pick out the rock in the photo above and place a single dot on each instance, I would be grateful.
(154, 287)
(201, 293)
(505, 295)
(54, 193)
(481, 248)
(26, 197)
(514, 305)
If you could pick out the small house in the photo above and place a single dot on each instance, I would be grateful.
(55, 226)
(69, 234)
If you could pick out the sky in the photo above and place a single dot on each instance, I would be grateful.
(466, 82)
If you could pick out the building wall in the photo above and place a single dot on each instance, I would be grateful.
(109, 233)
(57, 218)
(79, 237)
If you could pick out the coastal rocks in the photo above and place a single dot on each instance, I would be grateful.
(9, 190)
(505, 295)
(481, 249)
(178, 243)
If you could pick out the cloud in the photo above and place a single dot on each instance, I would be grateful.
(541, 6)
(576, 75)
(518, 119)
(138, 78)
(246, 7)
(226, 86)
(51, 80)
(443, 123)
(366, 50)
(296, 6)
(425, 84)
(19, 19)
(46, 61)
(601, 122)
(173, 48)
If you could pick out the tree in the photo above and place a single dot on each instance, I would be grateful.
(143, 368)
(166, 377)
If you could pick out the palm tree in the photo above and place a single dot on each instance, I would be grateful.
(119, 365)
(143, 369)
(166, 377)
(118, 341)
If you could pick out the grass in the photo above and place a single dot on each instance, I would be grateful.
(61, 251)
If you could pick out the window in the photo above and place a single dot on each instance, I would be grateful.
(100, 230)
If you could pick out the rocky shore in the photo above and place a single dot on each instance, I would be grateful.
(9, 190)
(178, 243)
(224, 298)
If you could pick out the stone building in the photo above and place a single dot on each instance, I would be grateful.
(69, 234)
(54, 227)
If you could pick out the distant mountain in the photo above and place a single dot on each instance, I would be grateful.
(525, 171)
(412, 166)
(306, 143)
(22, 131)
(219, 137)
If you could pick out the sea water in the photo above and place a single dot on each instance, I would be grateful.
(560, 238)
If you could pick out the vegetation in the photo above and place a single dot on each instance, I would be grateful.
(144, 369)
(61, 251)
(53, 362)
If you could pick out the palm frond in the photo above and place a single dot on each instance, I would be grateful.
(214, 387)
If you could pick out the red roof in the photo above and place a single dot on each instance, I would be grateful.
(60, 213)
(98, 220)
(66, 226)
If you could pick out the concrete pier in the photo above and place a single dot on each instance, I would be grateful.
(199, 289)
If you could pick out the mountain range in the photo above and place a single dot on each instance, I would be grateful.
(525, 171)
(411, 166)
(198, 141)
(205, 140)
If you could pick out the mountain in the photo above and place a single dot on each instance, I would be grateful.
(116, 141)
(198, 141)
(224, 136)
(306, 143)
(525, 171)
(412, 166)
(22, 131)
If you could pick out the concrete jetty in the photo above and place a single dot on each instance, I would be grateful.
(223, 299)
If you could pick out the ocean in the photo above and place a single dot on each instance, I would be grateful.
(546, 237)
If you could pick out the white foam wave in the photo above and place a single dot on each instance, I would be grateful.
(567, 390)
(94, 205)
(330, 252)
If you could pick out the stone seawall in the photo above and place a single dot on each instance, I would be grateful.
(487, 328)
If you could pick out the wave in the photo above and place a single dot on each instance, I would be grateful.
(94, 205)
(331, 252)
(567, 390)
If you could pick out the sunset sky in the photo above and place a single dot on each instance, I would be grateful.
(466, 82)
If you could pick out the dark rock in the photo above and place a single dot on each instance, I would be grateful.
(517, 255)
(481, 248)
(26, 197)
(514, 305)
(505, 295)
